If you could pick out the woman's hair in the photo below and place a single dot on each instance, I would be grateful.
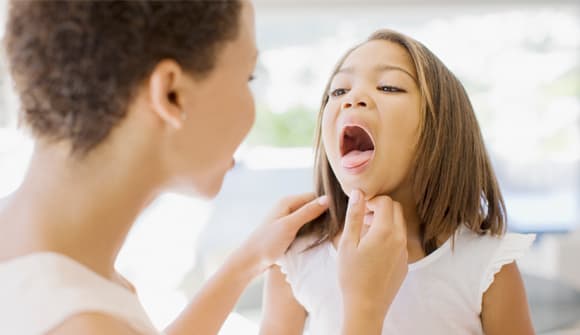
(453, 182)
(77, 64)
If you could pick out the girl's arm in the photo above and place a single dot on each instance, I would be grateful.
(505, 306)
(282, 314)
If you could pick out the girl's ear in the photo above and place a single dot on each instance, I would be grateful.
(164, 91)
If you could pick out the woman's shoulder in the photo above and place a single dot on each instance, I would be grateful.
(42, 290)
(92, 323)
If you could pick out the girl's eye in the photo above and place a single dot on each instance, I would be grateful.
(390, 89)
(338, 92)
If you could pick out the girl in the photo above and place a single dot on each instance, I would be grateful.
(396, 122)
(125, 100)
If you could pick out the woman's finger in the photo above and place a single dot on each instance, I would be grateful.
(307, 212)
(291, 203)
(382, 208)
(354, 219)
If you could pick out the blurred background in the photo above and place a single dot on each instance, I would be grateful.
(520, 63)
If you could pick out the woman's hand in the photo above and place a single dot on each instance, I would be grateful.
(213, 303)
(271, 240)
(371, 267)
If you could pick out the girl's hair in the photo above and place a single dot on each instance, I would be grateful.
(76, 64)
(453, 182)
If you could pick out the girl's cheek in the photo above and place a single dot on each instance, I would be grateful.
(328, 116)
(326, 130)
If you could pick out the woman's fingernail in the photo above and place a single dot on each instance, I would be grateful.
(323, 200)
(368, 219)
(354, 196)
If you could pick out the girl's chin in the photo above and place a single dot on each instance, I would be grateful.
(368, 191)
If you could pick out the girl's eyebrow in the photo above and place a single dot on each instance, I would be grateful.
(379, 68)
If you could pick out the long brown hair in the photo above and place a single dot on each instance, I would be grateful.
(453, 182)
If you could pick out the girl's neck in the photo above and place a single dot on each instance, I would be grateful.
(403, 195)
(81, 208)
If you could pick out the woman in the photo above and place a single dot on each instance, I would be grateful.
(126, 100)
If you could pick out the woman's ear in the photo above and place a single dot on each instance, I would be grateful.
(164, 84)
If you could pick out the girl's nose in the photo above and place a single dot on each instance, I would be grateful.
(358, 103)
(356, 99)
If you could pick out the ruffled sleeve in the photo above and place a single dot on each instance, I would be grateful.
(509, 248)
(290, 262)
(287, 266)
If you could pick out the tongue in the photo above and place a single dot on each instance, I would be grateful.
(356, 158)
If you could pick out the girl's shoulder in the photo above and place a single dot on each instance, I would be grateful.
(488, 245)
(305, 243)
(303, 255)
(485, 255)
(305, 247)
(464, 267)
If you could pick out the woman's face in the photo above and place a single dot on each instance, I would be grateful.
(220, 113)
(370, 125)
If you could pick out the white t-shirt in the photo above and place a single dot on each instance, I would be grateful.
(441, 295)
(40, 291)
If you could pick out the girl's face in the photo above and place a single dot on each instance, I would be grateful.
(370, 125)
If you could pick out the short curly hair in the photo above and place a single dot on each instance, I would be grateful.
(76, 64)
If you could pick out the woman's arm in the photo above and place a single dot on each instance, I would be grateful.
(282, 314)
(371, 270)
(214, 302)
(208, 311)
(505, 306)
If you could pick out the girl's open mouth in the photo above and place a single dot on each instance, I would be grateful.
(357, 148)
